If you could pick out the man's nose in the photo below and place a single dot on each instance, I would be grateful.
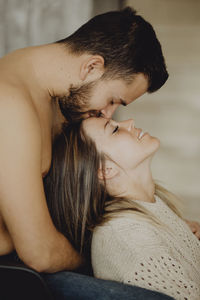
(108, 111)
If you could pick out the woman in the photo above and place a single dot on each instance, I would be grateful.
(106, 186)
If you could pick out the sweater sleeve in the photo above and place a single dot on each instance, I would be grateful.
(134, 255)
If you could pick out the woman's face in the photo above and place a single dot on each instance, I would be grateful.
(126, 145)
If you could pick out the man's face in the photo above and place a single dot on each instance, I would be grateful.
(101, 97)
(107, 95)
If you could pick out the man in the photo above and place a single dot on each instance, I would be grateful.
(111, 60)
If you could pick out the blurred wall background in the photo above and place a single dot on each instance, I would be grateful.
(32, 22)
(173, 113)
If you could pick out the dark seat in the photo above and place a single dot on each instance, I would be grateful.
(17, 281)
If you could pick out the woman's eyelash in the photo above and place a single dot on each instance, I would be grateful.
(116, 128)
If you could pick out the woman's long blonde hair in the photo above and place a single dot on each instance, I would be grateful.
(77, 201)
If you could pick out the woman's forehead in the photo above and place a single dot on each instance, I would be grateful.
(92, 124)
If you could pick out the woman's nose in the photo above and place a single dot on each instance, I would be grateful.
(128, 124)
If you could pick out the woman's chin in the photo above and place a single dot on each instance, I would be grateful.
(156, 144)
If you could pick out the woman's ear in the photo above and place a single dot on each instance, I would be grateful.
(92, 68)
(109, 171)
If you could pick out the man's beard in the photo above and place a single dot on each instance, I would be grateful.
(75, 105)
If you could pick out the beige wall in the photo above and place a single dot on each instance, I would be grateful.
(173, 113)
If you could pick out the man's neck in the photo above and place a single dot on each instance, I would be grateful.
(44, 76)
(49, 65)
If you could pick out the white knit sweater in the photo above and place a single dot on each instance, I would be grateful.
(137, 252)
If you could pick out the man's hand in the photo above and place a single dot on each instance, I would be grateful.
(195, 227)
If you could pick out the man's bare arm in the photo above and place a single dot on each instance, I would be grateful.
(22, 199)
(6, 244)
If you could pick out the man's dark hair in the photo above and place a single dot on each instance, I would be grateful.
(127, 43)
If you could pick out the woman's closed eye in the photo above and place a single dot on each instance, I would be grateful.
(116, 128)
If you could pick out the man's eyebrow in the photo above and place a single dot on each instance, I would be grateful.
(106, 124)
(123, 102)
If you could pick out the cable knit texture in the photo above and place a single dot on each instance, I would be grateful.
(135, 251)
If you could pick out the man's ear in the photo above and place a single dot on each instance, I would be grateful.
(92, 68)
(108, 172)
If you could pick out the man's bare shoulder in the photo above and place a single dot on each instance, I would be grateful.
(10, 92)
(19, 123)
